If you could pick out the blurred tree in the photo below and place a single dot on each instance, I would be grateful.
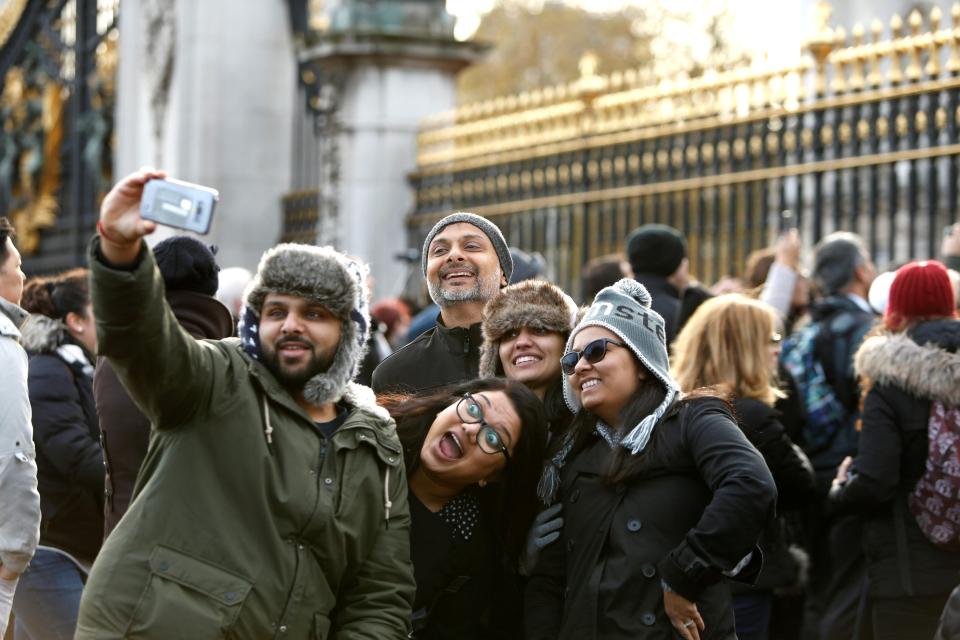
(536, 44)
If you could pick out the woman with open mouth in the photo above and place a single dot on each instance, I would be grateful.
(473, 454)
(663, 495)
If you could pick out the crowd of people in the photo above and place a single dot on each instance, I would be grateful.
(190, 452)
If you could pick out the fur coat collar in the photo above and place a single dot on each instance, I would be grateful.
(923, 361)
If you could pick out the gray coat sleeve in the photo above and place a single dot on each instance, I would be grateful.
(19, 499)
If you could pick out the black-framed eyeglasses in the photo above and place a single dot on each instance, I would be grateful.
(593, 352)
(488, 439)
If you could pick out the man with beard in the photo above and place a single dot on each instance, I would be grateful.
(465, 261)
(272, 500)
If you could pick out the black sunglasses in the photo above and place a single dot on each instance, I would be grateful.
(593, 352)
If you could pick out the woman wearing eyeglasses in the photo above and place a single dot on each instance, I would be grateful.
(731, 343)
(662, 495)
(473, 455)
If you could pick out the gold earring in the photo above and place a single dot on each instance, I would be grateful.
(482, 483)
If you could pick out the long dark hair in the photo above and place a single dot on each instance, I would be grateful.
(512, 501)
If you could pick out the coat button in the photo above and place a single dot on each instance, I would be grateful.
(163, 566)
(575, 495)
(570, 545)
(648, 570)
(634, 525)
(283, 628)
(648, 619)
(328, 481)
(230, 596)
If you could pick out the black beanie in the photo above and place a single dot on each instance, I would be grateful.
(656, 249)
(187, 264)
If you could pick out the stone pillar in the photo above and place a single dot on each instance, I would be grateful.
(221, 117)
(388, 65)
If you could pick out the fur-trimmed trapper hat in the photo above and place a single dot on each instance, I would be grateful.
(324, 275)
(531, 303)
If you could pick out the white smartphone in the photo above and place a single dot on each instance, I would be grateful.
(179, 204)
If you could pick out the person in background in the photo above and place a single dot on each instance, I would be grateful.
(465, 261)
(843, 272)
(662, 496)
(20, 524)
(232, 281)
(394, 315)
(525, 327)
(189, 271)
(911, 414)
(775, 274)
(602, 272)
(658, 258)
(473, 454)
(61, 338)
(732, 343)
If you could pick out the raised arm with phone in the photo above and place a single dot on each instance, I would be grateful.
(272, 500)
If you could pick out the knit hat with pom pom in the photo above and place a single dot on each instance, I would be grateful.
(624, 309)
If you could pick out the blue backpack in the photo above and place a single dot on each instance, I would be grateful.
(826, 414)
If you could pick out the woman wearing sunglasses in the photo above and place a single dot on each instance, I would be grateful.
(731, 343)
(473, 456)
(662, 496)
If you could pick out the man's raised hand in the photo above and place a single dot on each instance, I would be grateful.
(120, 226)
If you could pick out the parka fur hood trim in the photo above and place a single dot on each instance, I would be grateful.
(531, 303)
(927, 370)
(327, 276)
(42, 334)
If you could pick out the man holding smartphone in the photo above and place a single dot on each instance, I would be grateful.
(272, 500)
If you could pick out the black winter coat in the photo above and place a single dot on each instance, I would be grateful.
(124, 430)
(906, 373)
(697, 509)
(67, 437)
(438, 357)
(794, 477)
(665, 301)
(789, 466)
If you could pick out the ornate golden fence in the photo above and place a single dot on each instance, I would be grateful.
(859, 135)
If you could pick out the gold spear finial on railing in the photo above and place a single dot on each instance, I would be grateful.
(896, 27)
(858, 70)
(933, 62)
(821, 44)
(914, 68)
(840, 61)
(589, 85)
(953, 64)
(874, 78)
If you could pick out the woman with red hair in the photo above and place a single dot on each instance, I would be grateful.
(903, 480)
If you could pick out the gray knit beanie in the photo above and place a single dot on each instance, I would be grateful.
(324, 275)
(624, 309)
(489, 229)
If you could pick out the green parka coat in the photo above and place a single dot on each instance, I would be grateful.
(246, 522)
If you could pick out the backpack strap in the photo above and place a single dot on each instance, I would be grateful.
(903, 554)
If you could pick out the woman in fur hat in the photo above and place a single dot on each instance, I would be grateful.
(731, 343)
(905, 479)
(662, 496)
(472, 453)
(525, 327)
(60, 339)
